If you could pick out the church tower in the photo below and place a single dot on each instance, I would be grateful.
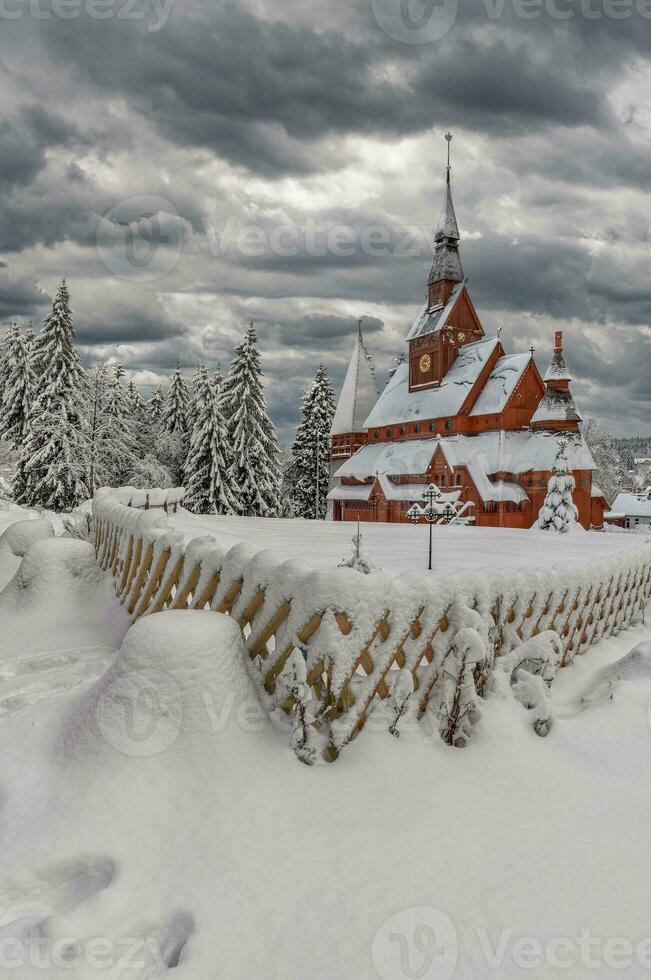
(557, 410)
(448, 319)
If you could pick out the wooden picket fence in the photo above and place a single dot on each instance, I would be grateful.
(355, 630)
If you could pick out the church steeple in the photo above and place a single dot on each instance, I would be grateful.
(557, 409)
(446, 268)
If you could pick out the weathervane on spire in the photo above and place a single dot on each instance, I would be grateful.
(449, 138)
(359, 327)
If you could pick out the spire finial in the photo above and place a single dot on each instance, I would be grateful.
(359, 327)
(449, 138)
(532, 350)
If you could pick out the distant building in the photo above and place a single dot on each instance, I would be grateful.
(460, 412)
(631, 509)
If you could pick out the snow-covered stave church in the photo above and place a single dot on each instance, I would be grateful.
(459, 412)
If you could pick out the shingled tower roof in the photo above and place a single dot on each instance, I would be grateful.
(447, 262)
(557, 408)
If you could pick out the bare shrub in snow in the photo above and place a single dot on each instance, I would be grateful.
(358, 560)
(531, 668)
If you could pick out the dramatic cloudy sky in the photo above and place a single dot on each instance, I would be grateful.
(190, 166)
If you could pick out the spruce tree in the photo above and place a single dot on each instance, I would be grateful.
(559, 512)
(117, 397)
(19, 390)
(208, 474)
(252, 434)
(50, 473)
(175, 412)
(311, 449)
(135, 404)
(155, 407)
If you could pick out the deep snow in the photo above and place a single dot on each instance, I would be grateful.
(402, 548)
(151, 812)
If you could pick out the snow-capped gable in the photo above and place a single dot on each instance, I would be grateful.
(432, 322)
(501, 384)
(397, 404)
(358, 394)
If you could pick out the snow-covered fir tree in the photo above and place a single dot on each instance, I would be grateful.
(175, 411)
(117, 400)
(19, 389)
(208, 468)
(559, 512)
(252, 434)
(135, 402)
(48, 474)
(155, 406)
(609, 473)
(311, 449)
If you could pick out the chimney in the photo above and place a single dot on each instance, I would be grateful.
(559, 340)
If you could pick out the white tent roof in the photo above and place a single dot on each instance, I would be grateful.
(358, 394)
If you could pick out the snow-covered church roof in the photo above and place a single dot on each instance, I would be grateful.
(497, 451)
(501, 384)
(358, 393)
(397, 404)
(556, 406)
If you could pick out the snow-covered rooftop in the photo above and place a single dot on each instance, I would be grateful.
(488, 453)
(431, 322)
(342, 492)
(358, 394)
(631, 505)
(557, 370)
(501, 384)
(397, 404)
(556, 406)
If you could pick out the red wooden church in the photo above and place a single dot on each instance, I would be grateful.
(460, 412)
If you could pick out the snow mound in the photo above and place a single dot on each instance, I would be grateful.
(634, 667)
(180, 678)
(51, 571)
(19, 537)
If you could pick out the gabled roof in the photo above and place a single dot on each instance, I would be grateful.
(631, 505)
(501, 384)
(397, 404)
(431, 322)
(358, 393)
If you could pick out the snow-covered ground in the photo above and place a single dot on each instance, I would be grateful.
(151, 818)
(403, 548)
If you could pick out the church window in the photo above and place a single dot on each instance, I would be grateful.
(448, 424)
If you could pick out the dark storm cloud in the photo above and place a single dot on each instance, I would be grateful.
(25, 138)
(142, 320)
(255, 89)
(20, 297)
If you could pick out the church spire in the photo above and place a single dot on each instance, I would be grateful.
(557, 409)
(446, 268)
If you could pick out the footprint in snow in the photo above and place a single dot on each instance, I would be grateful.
(26, 903)
(159, 947)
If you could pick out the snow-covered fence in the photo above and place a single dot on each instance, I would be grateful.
(330, 646)
(169, 499)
